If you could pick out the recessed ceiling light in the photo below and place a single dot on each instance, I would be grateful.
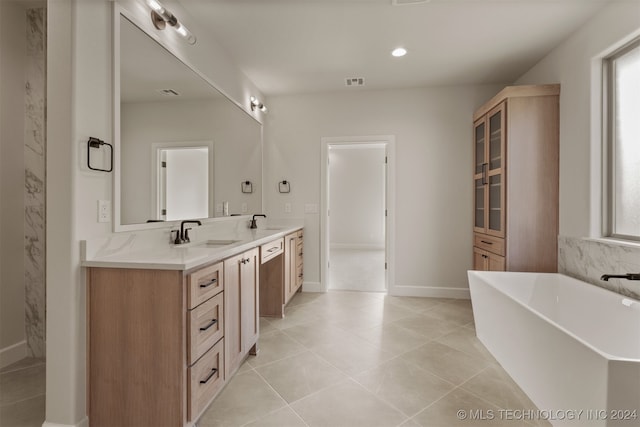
(398, 52)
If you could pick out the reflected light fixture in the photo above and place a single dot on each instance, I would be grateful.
(255, 103)
(398, 52)
(160, 17)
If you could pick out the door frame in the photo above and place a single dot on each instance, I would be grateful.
(326, 142)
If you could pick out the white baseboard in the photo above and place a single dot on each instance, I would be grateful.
(13, 353)
(430, 292)
(82, 423)
(313, 287)
(357, 246)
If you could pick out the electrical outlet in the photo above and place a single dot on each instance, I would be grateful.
(104, 211)
(244, 208)
(287, 207)
(218, 207)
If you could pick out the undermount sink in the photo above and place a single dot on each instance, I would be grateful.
(215, 243)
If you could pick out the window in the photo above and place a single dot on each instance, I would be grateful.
(623, 181)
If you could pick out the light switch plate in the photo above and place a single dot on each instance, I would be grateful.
(244, 208)
(104, 211)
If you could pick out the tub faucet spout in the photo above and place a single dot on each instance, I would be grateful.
(628, 276)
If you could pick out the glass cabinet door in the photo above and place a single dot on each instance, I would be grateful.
(495, 171)
(479, 176)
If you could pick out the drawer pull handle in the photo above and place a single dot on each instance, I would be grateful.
(273, 249)
(211, 374)
(210, 324)
(211, 282)
(486, 243)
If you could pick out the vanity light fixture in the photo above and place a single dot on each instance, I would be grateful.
(398, 52)
(160, 17)
(255, 103)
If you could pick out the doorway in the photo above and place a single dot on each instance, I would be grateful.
(356, 225)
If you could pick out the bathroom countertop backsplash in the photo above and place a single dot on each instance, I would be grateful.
(589, 259)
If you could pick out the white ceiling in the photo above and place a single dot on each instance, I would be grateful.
(300, 46)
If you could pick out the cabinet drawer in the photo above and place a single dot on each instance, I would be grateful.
(300, 235)
(299, 276)
(489, 243)
(206, 327)
(271, 250)
(206, 378)
(203, 284)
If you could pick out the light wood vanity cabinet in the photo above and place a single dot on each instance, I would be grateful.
(293, 264)
(241, 299)
(280, 277)
(515, 180)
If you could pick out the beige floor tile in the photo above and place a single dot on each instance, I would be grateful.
(386, 310)
(426, 326)
(21, 384)
(404, 385)
(410, 423)
(316, 335)
(464, 339)
(458, 312)
(355, 320)
(284, 417)
(300, 375)
(496, 386)
(353, 356)
(393, 338)
(246, 398)
(25, 413)
(305, 298)
(347, 404)
(274, 346)
(461, 409)
(298, 315)
(446, 362)
(415, 304)
(266, 326)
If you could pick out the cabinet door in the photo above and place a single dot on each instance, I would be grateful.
(290, 266)
(233, 348)
(480, 260)
(495, 168)
(480, 175)
(250, 299)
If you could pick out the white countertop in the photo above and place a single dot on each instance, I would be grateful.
(186, 256)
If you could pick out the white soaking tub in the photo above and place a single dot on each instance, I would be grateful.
(572, 347)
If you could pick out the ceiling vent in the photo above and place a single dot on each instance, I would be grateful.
(168, 92)
(406, 2)
(354, 81)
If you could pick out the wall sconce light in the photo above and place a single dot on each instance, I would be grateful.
(160, 17)
(255, 103)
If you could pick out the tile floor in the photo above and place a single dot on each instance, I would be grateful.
(22, 391)
(350, 359)
(366, 359)
(357, 270)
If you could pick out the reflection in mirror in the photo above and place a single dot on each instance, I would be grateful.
(185, 149)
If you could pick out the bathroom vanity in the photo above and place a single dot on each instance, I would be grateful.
(168, 326)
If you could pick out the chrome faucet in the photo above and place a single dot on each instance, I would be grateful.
(253, 223)
(183, 235)
(628, 276)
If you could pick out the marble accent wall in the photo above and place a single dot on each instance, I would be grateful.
(588, 259)
(34, 184)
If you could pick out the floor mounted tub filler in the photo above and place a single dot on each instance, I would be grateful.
(572, 347)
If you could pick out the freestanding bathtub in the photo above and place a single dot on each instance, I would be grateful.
(572, 347)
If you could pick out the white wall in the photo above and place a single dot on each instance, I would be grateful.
(433, 130)
(576, 65)
(80, 101)
(12, 99)
(357, 196)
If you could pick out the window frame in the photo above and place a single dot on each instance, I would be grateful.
(609, 139)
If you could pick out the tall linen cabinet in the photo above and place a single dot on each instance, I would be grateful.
(516, 162)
